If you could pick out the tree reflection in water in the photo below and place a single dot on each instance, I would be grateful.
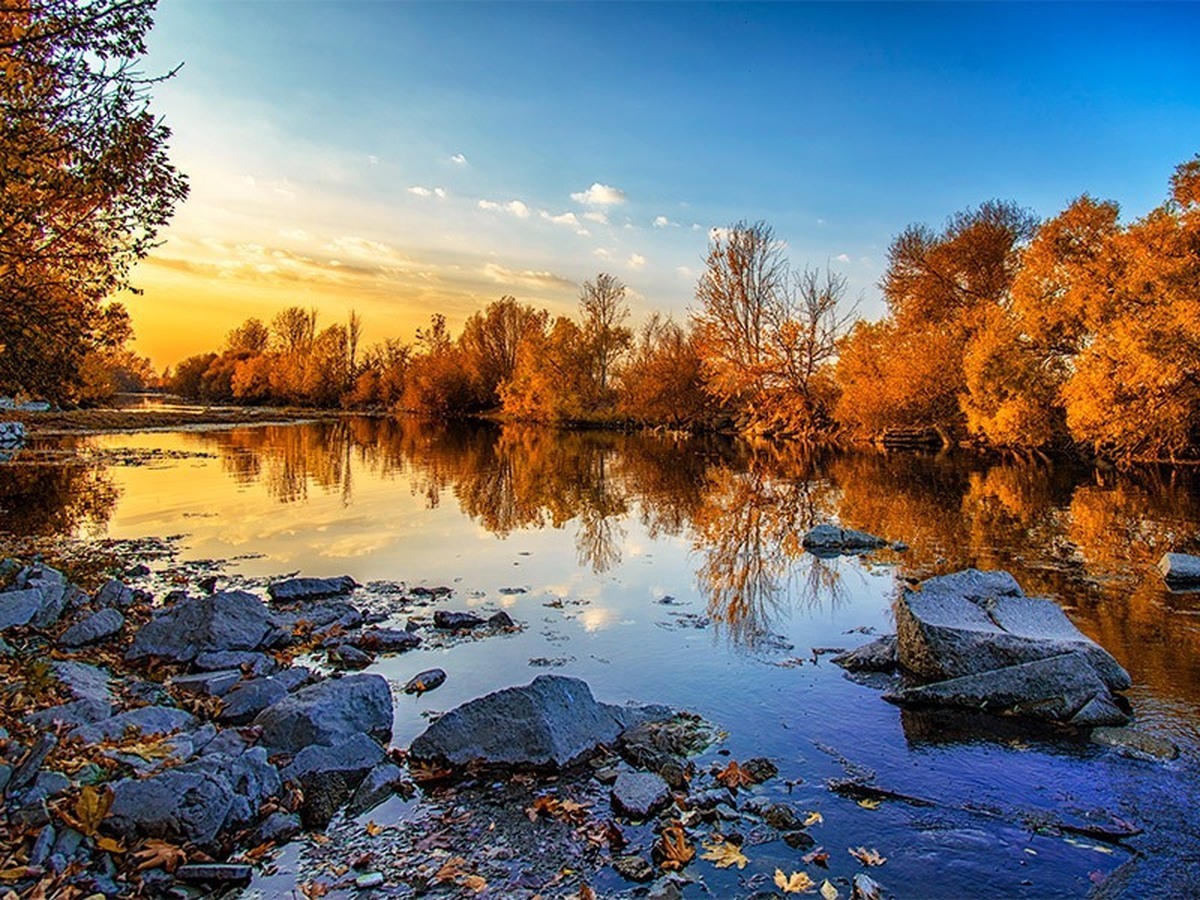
(1088, 538)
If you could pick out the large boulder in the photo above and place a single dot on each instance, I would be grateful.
(554, 721)
(329, 775)
(295, 589)
(328, 712)
(37, 598)
(977, 641)
(1180, 570)
(232, 620)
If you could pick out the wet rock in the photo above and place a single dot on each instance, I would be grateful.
(92, 629)
(864, 887)
(329, 775)
(347, 656)
(1056, 688)
(1180, 570)
(798, 840)
(430, 593)
(501, 619)
(328, 712)
(657, 744)
(828, 540)
(639, 795)
(425, 681)
(1135, 743)
(296, 677)
(760, 769)
(18, 607)
(295, 589)
(208, 684)
(145, 720)
(278, 828)
(379, 784)
(114, 594)
(320, 617)
(385, 640)
(248, 661)
(634, 868)
(248, 699)
(554, 721)
(456, 620)
(218, 875)
(233, 620)
(878, 655)
(781, 817)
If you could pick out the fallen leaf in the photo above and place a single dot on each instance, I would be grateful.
(14, 874)
(89, 811)
(817, 857)
(796, 883)
(473, 883)
(868, 803)
(108, 845)
(149, 750)
(450, 870)
(313, 890)
(813, 818)
(867, 857)
(673, 848)
(156, 854)
(374, 829)
(724, 854)
(734, 776)
(828, 891)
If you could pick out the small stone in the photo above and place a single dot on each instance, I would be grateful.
(634, 868)
(368, 880)
(456, 620)
(385, 640)
(211, 684)
(781, 817)
(639, 795)
(760, 769)
(42, 846)
(32, 763)
(606, 775)
(215, 874)
(501, 620)
(347, 656)
(798, 840)
(114, 593)
(425, 681)
(295, 589)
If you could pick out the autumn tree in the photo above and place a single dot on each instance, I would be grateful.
(491, 341)
(551, 376)
(662, 382)
(85, 186)
(251, 335)
(603, 310)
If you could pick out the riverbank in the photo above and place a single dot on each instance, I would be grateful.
(173, 417)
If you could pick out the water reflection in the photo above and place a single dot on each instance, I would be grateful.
(1088, 538)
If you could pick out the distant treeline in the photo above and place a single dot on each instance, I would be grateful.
(1078, 333)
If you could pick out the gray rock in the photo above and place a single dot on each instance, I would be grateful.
(878, 655)
(83, 681)
(1180, 570)
(297, 677)
(328, 712)
(146, 720)
(347, 656)
(828, 540)
(798, 840)
(330, 775)
(215, 874)
(1135, 743)
(501, 619)
(554, 721)
(368, 880)
(1054, 688)
(248, 699)
(75, 712)
(294, 589)
(634, 868)
(42, 846)
(444, 618)
(971, 622)
(782, 817)
(248, 661)
(277, 828)
(655, 745)
(52, 586)
(92, 629)
(233, 620)
(639, 795)
(228, 742)
(27, 770)
(6, 772)
(425, 681)
(385, 640)
(114, 593)
(379, 784)
(18, 607)
(253, 780)
(208, 684)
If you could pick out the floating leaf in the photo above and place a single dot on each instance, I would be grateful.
(724, 854)
(813, 818)
(870, 803)
(673, 848)
(817, 857)
(828, 891)
(796, 883)
(374, 829)
(867, 857)
(734, 776)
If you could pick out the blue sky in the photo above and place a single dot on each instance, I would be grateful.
(405, 158)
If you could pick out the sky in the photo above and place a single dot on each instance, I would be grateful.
(404, 159)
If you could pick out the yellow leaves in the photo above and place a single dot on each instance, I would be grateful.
(867, 857)
(561, 810)
(108, 845)
(374, 829)
(16, 873)
(724, 854)
(813, 818)
(89, 811)
(869, 803)
(149, 750)
(734, 776)
(452, 872)
(156, 854)
(673, 849)
(828, 891)
(796, 883)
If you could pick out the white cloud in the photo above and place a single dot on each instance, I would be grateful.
(373, 159)
(600, 195)
(664, 222)
(294, 234)
(514, 207)
(636, 260)
(526, 277)
(842, 258)
(602, 253)
(597, 217)
(568, 218)
(420, 191)
(458, 159)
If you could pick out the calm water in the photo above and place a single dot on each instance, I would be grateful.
(670, 570)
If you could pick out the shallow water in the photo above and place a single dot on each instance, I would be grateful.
(670, 570)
